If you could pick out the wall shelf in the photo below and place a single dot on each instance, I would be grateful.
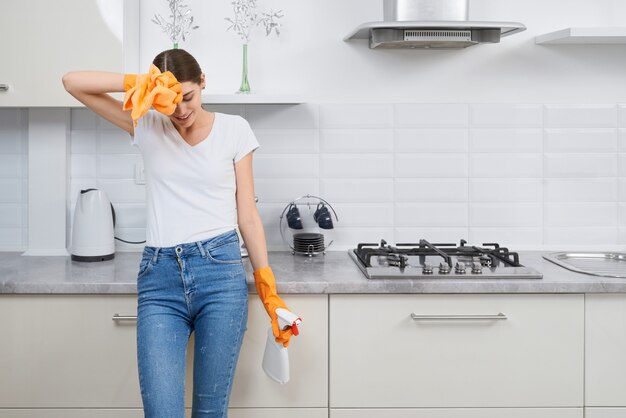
(599, 35)
(251, 99)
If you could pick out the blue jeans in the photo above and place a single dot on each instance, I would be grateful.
(193, 287)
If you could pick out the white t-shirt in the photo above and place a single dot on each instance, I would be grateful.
(190, 190)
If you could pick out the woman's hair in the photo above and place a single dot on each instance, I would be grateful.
(181, 63)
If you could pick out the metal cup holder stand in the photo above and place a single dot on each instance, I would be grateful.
(307, 220)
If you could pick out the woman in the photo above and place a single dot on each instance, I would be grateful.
(199, 188)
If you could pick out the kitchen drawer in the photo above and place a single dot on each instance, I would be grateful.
(278, 413)
(65, 351)
(138, 413)
(605, 412)
(605, 350)
(308, 358)
(381, 357)
(459, 413)
(71, 413)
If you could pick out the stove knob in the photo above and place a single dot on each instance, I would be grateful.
(444, 268)
(459, 268)
(477, 268)
(427, 268)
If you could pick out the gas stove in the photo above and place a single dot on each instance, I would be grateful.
(424, 260)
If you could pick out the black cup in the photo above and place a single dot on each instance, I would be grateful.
(322, 217)
(293, 217)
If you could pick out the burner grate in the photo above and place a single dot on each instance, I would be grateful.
(398, 256)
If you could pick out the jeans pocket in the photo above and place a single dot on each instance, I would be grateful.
(145, 266)
(227, 253)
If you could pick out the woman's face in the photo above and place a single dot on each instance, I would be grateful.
(188, 109)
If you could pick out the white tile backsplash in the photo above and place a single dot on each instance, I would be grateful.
(356, 165)
(356, 140)
(506, 140)
(505, 190)
(581, 189)
(271, 190)
(581, 237)
(621, 115)
(357, 116)
(499, 115)
(84, 165)
(431, 190)
(522, 174)
(10, 165)
(513, 166)
(356, 190)
(580, 214)
(287, 141)
(580, 140)
(13, 179)
(580, 165)
(513, 236)
(11, 215)
(286, 166)
(434, 235)
(11, 190)
(304, 116)
(431, 214)
(431, 165)
(365, 214)
(496, 214)
(431, 140)
(83, 141)
(580, 116)
(453, 115)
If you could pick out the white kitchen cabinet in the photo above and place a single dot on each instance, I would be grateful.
(382, 358)
(459, 413)
(605, 350)
(138, 413)
(605, 412)
(65, 351)
(42, 40)
(308, 358)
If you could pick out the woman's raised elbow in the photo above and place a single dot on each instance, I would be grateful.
(67, 81)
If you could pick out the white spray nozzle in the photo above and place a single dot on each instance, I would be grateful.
(288, 319)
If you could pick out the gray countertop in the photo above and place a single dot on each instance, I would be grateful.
(334, 272)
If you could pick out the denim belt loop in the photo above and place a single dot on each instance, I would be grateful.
(154, 256)
(201, 247)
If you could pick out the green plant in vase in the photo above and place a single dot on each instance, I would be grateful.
(181, 23)
(244, 20)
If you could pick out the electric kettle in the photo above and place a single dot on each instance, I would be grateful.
(93, 237)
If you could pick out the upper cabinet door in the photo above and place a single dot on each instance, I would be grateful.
(42, 40)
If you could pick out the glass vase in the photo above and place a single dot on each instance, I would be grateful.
(245, 85)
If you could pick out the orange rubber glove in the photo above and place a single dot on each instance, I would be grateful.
(154, 89)
(266, 288)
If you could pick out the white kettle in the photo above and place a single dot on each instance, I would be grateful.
(93, 237)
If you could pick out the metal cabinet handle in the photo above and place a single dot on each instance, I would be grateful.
(118, 317)
(4, 87)
(455, 317)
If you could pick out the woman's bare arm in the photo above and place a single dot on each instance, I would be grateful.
(92, 87)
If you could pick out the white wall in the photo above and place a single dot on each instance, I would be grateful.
(529, 176)
(13, 179)
(310, 57)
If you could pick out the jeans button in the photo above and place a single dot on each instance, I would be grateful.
(179, 250)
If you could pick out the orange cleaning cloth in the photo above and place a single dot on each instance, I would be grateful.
(154, 89)
(266, 288)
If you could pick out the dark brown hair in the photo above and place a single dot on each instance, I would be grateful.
(181, 63)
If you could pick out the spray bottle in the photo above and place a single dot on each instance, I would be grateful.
(276, 356)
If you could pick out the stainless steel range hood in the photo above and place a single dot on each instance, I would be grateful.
(436, 24)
